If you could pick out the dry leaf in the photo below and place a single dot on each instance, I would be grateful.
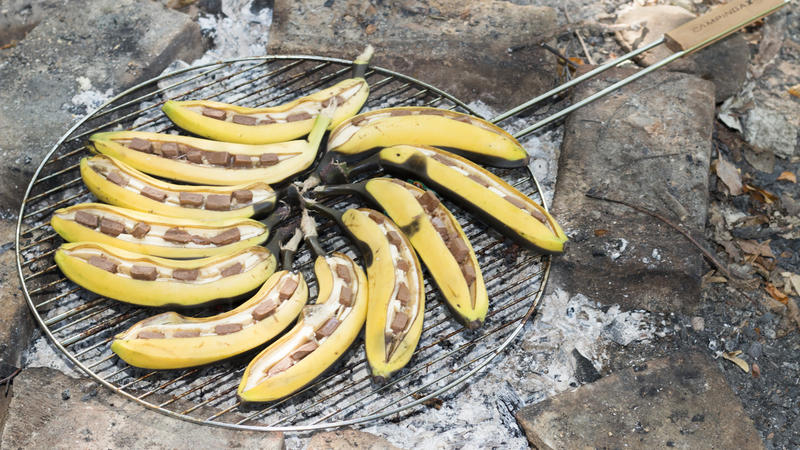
(734, 358)
(788, 176)
(793, 280)
(795, 90)
(756, 371)
(759, 194)
(755, 248)
(793, 312)
(729, 175)
(776, 293)
(600, 232)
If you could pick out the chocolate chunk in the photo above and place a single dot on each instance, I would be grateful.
(469, 272)
(437, 112)
(243, 196)
(343, 272)
(403, 294)
(233, 269)
(215, 113)
(339, 101)
(185, 274)
(443, 159)
(298, 116)
(328, 328)
(287, 288)
(346, 296)
(117, 178)
(228, 236)
(190, 199)
(244, 120)
(140, 145)
(140, 230)
(186, 333)
(399, 321)
(281, 366)
(376, 217)
(440, 226)
(217, 202)
(518, 202)
(478, 179)
(218, 158)
(143, 272)
(538, 215)
(169, 150)
(150, 334)
(242, 161)
(87, 219)
(195, 156)
(403, 265)
(394, 238)
(264, 309)
(111, 227)
(266, 121)
(304, 350)
(268, 159)
(177, 235)
(400, 112)
(154, 194)
(459, 249)
(103, 263)
(200, 240)
(358, 121)
(227, 328)
(428, 201)
(464, 119)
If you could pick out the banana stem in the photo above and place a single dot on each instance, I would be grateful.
(371, 164)
(289, 249)
(280, 214)
(319, 128)
(339, 189)
(309, 227)
(274, 244)
(361, 62)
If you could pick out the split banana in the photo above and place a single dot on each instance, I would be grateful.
(203, 161)
(117, 183)
(467, 135)
(152, 281)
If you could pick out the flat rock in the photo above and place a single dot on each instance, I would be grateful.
(680, 401)
(74, 59)
(459, 46)
(51, 410)
(16, 323)
(348, 439)
(18, 17)
(649, 144)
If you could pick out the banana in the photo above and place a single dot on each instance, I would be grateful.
(476, 189)
(203, 161)
(467, 135)
(152, 281)
(116, 183)
(436, 236)
(322, 334)
(173, 341)
(155, 235)
(231, 123)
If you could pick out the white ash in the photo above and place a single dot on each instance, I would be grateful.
(43, 353)
(237, 33)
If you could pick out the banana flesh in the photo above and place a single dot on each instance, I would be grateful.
(173, 341)
(231, 123)
(508, 210)
(152, 281)
(154, 235)
(467, 135)
(115, 182)
(203, 161)
(322, 334)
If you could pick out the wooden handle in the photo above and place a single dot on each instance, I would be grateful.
(719, 22)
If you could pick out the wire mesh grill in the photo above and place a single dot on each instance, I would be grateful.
(82, 325)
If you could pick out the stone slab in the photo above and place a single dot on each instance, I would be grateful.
(348, 439)
(18, 17)
(459, 46)
(101, 47)
(16, 322)
(51, 410)
(680, 401)
(649, 144)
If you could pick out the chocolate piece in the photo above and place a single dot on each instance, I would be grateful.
(140, 230)
(339, 100)
(117, 178)
(403, 265)
(244, 120)
(154, 194)
(400, 112)
(343, 272)
(233, 269)
(190, 199)
(268, 159)
(464, 119)
(266, 121)
(200, 240)
(399, 321)
(243, 196)
(538, 215)
(217, 202)
(403, 294)
(186, 333)
(357, 121)
(280, 366)
(459, 249)
(437, 112)
(169, 150)
(440, 226)
(304, 350)
(242, 161)
(177, 235)
(442, 159)
(469, 272)
(518, 202)
(87, 219)
(218, 158)
(478, 179)
(228, 236)
(150, 334)
(185, 274)
(428, 201)
(264, 309)
(346, 296)
(394, 238)
(143, 272)
(328, 328)
(215, 113)
(298, 116)
(227, 328)
(287, 288)
(103, 263)
(376, 217)
(140, 145)
(111, 227)
(195, 156)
